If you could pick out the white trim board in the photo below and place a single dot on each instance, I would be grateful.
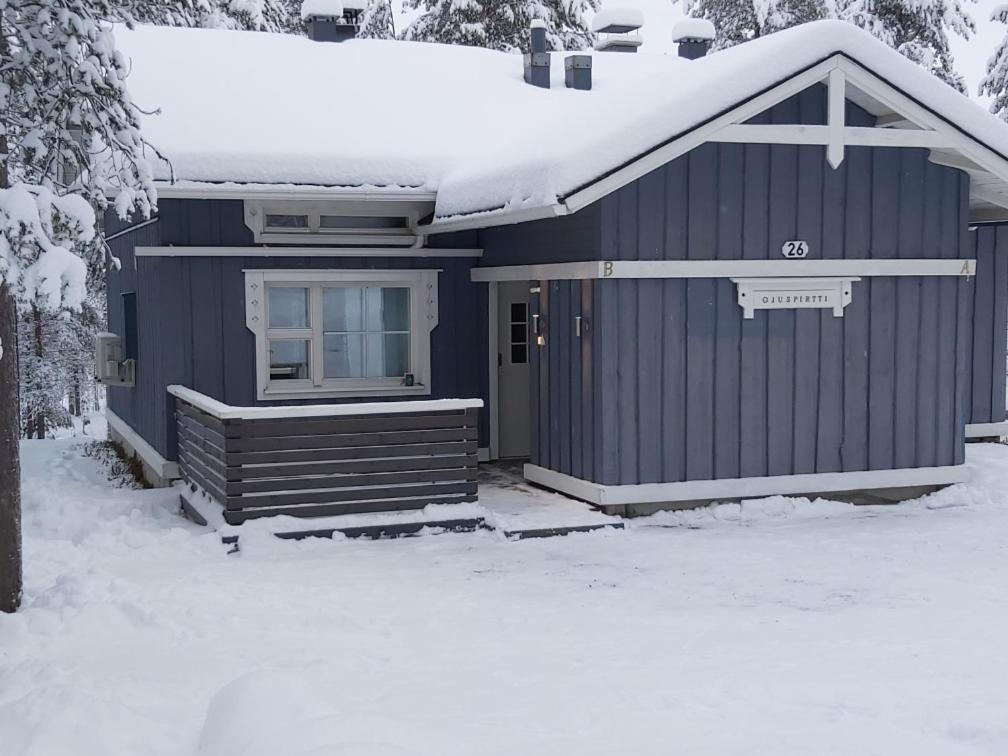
(726, 269)
(223, 411)
(305, 252)
(231, 190)
(163, 468)
(744, 488)
(986, 430)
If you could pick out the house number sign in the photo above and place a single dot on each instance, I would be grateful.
(795, 250)
(793, 294)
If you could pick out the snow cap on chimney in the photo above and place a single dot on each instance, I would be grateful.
(321, 8)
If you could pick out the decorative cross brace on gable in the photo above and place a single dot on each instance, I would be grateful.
(836, 135)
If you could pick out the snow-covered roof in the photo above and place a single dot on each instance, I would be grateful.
(258, 108)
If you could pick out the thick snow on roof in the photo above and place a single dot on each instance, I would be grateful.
(252, 107)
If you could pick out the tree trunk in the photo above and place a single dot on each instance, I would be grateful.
(38, 346)
(10, 470)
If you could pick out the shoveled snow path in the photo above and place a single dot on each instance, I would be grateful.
(784, 627)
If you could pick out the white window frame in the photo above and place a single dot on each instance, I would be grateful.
(256, 212)
(423, 285)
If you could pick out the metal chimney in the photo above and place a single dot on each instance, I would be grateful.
(694, 37)
(537, 62)
(578, 71)
(332, 20)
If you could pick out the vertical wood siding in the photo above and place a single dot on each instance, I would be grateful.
(191, 314)
(683, 388)
(986, 400)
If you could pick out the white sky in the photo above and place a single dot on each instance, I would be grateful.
(971, 55)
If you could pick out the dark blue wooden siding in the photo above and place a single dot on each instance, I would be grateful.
(683, 388)
(986, 400)
(191, 315)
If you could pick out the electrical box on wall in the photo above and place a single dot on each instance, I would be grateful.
(110, 368)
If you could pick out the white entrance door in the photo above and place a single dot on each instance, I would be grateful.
(513, 409)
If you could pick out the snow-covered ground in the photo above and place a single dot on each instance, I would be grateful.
(783, 627)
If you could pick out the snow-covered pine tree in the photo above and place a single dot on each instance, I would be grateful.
(919, 29)
(69, 141)
(378, 21)
(739, 21)
(995, 83)
(501, 24)
(253, 15)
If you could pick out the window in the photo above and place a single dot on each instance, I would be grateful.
(130, 349)
(342, 333)
(343, 222)
(519, 333)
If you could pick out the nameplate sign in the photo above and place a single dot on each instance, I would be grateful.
(793, 294)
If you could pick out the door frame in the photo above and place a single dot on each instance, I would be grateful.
(494, 369)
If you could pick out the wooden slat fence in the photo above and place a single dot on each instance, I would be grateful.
(329, 465)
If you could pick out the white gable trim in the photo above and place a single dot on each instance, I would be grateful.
(932, 130)
(699, 135)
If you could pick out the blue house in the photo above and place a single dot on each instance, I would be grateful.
(657, 279)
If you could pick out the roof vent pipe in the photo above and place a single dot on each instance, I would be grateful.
(694, 37)
(332, 20)
(537, 62)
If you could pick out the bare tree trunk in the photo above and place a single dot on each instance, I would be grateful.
(10, 469)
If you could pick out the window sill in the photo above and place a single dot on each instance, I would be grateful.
(349, 393)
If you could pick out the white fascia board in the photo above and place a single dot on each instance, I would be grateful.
(726, 269)
(305, 252)
(987, 430)
(744, 488)
(165, 469)
(301, 192)
(223, 411)
(491, 218)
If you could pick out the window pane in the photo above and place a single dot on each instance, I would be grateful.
(343, 356)
(519, 312)
(337, 222)
(387, 355)
(388, 309)
(519, 333)
(286, 221)
(343, 309)
(288, 307)
(289, 360)
(519, 354)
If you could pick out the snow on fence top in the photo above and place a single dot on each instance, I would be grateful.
(618, 19)
(260, 108)
(693, 28)
(310, 8)
(223, 411)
